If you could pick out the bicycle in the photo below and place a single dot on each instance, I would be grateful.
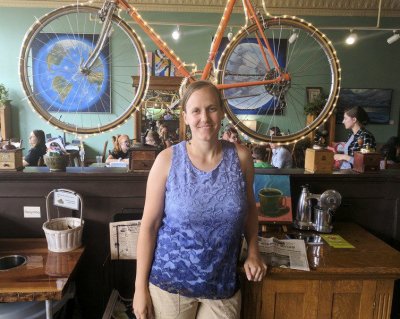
(263, 72)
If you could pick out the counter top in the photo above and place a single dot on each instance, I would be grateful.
(45, 274)
(370, 257)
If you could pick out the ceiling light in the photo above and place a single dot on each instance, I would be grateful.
(230, 34)
(293, 37)
(393, 38)
(352, 38)
(176, 34)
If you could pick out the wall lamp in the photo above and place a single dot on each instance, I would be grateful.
(176, 34)
(394, 37)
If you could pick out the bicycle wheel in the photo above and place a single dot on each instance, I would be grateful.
(308, 59)
(63, 93)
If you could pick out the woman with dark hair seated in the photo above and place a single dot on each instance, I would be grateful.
(355, 119)
(37, 141)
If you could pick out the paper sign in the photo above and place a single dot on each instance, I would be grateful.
(123, 239)
(66, 199)
(336, 241)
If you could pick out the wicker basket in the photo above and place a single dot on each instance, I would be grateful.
(56, 163)
(65, 233)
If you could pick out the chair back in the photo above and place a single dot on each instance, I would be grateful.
(41, 161)
(103, 159)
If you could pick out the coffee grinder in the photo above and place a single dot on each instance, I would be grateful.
(316, 217)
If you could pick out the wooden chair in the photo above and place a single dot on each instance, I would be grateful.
(41, 161)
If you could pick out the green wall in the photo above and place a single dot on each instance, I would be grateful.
(371, 63)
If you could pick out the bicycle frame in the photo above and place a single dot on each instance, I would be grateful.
(182, 70)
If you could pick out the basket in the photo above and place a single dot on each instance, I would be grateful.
(65, 233)
(56, 163)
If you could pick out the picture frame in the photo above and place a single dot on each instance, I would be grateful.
(376, 102)
(312, 93)
(48, 72)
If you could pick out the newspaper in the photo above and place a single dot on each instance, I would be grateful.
(123, 239)
(287, 253)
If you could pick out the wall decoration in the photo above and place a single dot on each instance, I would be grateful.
(59, 85)
(162, 65)
(376, 102)
(244, 60)
(313, 93)
(277, 206)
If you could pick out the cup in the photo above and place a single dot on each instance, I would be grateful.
(99, 159)
(272, 201)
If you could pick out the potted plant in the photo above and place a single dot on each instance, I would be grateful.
(314, 107)
(4, 100)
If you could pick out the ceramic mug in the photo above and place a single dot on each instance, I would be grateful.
(272, 201)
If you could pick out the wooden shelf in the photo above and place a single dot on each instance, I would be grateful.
(164, 83)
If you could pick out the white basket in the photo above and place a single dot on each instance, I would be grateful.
(63, 234)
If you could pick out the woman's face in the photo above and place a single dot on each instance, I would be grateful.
(124, 144)
(348, 121)
(32, 139)
(203, 114)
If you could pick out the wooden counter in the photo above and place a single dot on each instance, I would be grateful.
(44, 276)
(371, 200)
(347, 283)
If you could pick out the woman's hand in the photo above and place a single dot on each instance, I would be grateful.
(142, 304)
(255, 268)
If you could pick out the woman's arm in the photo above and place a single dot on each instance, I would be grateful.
(254, 266)
(151, 221)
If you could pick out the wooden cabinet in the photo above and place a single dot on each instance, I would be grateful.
(348, 284)
(5, 122)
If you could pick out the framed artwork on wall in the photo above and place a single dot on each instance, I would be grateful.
(244, 60)
(312, 93)
(56, 76)
(376, 102)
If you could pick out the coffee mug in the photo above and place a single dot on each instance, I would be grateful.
(271, 200)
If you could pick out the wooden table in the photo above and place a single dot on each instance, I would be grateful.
(44, 277)
(347, 283)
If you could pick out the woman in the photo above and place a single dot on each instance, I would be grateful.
(281, 157)
(199, 199)
(355, 119)
(121, 149)
(37, 141)
(231, 134)
(165, 137)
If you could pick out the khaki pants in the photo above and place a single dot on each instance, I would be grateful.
(174, 306)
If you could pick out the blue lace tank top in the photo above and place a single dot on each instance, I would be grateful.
(198, 242)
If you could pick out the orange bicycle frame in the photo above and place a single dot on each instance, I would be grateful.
(182, 70)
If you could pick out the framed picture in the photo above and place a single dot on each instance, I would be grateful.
(273, 197)
(162, 65)
(243, 61)
(376, 102)
(56, 59)
(312, 93)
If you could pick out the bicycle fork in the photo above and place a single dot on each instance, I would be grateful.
(105, 15)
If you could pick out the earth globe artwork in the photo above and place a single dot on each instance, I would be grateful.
(58, 81)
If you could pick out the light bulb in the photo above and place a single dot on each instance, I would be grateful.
(293, 37)
(352, 38)
(393, 38)
(176, 34)
(230, 35)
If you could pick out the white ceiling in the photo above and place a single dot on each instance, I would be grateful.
(389, 8)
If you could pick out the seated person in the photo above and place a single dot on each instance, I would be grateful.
(391, 152)
(37, 141)
(281, 157)
(231, 134)
(152, 138)
(355, 119)
(259, 156)
(166, 139)
(121, 149)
